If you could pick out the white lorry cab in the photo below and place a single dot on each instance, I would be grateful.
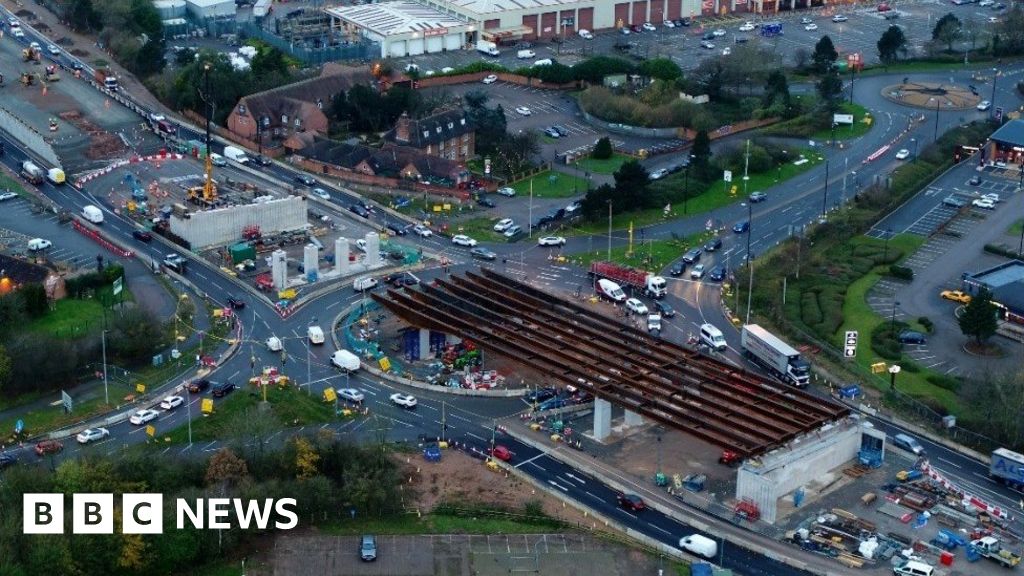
(712, 337)
(236, 154)
(699, 545)
(56, 176)
(92, 214)
(345, 360)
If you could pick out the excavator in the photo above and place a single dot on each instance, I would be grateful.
(205, 195)
(28, 78)
(51, 73)
(29, 54)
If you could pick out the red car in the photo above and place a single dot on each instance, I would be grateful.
(631, 502)
(501, 453)
(883, 7)
(48, 447)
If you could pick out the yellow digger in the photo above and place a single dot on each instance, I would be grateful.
(206, 194)
(51, 73)
(28, 79)
(29, 54)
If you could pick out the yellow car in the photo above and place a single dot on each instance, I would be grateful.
(956, 296)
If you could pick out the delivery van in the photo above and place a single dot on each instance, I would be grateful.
(610, 290)
(913, 568)
(56, 176)
(92, 214)
(543, 62)
(525, 54)
(712, 337)
(345, 360)
(315, 335)
(699, 545)
(236, 154)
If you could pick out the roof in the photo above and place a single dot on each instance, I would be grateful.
(490, 7)
(435, 128)
(391, 160)
(1000, 275)
(295, 99)
(391, 18)
(1010, 133)
(22, 271)
(337, 153)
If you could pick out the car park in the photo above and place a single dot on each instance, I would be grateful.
(172, 402)
(954, 202)
(741, 226)
(142, 235)
(630, 502)
(693, 255)
(911, 337)
(463, 240)
(92, 435)
(758, 196)
(350, 395)
(507, 191)
(956, 296)
(523, 111)
(984, 105)
(482, 253)
(664, 308)
(48, 447)
(406, 401)
(368, 548)
(636, 306)
(197, 386)
(223, 389)
(503, 224)
(490, 79)
(697, 272)
(143, 416)
(903, 154)
(551, 241)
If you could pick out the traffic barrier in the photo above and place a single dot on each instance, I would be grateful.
(878, 153)
(89, 232)
(966, 498)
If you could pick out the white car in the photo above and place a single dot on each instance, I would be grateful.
(984, 203)
(172, 402)
(92, 435)
(697, 272)
(18, 32)
(422, 231)
(659, 174)
(903, 154)
(811, 26)
(407, 401)
(551, 241)
(503, 224)
(507, 191)
(985, 3)
(523, 111)
(274, 344)
(586, 34)
(707, 45)
(350, 394)
(53, 50)
(490, 79)
(34, 45)
(321, 194)
(361, 244)
(719, 32)
(636, 306)
(447, 70)
(8, 196)
(806, 20)
(463, 240)
(747, 27)
(649, 27)
(429, 73)
(669, 24)
(39, 244)
(984, 105)
(991, 196)
(839, 18)
(726, 51)
(143, 416)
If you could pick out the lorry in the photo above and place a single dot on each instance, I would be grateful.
(652, 285)
(32, 173)
(488, 48)
(106, 77)
(56, 176)
(990, 548)
(770, 352)
(1007, 467)
(236, 154)
(699, 545)
(607, 289)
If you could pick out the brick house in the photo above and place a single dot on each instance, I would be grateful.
(17, 272)
(447, 134)
(398, 162)
(295, 108)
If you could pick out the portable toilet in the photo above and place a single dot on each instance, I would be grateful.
(241, 252)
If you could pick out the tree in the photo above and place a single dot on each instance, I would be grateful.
(595, 204)
(776, 98)
(135, 334)
(515, 151)
(947, 31)
(594, 69)
(490, 124)
(82, 16)
(1010, 31)
(661, 68)
(5, 370)
(150, 59)
(603, 149)
(631, 182)
(34, 297)
(890, 44)
(824, 56)
(554, 73)
(701, 150)
(979, 318)
(830, 88)
(269, 60)
(225, 468)
(306, 459)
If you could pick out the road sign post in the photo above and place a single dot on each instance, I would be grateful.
(850, 347)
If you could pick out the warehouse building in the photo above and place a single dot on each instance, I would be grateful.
(402, 28)
(1006, 283)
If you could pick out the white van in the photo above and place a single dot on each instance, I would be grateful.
(610, 290)
(274, 344)
(699, 545)
(236, 154)
(712, 337)
(913, 568)
(585, 34)
(92, 214)
(908, 443)
(218, 160)
(525, 54)
(315, 335)
(364, 283)
(544, 62)
(345, 360)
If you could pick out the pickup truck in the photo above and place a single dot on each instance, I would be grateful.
(990, 548)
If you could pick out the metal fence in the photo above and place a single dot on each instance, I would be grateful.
(308, 55)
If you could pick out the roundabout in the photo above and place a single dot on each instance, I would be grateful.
(932, 95)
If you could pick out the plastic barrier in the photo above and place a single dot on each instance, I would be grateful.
(90, 233)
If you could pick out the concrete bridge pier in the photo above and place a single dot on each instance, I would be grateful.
(602, 419)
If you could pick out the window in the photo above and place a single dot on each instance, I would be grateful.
(430, 149)
(241, 109)
(426, 133)
(298, 122)
(438, 129)
(451, 125)
(462, 121)
(284, 118)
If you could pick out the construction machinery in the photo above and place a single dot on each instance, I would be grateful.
(51, 73)
(28, 79)
(31, 54)
(205, 195)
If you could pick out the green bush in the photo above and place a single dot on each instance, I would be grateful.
(908, 366)
(883, 340)
(927, 323)
(944, 381)
(901, 272)
(1001, 250)
(603, 149)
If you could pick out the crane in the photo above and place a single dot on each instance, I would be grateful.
(207, 193)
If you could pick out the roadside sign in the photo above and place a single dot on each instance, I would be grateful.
(727, 175)
(385, 364)
(66, 400)
(118, 285)
(150, 430)
(850, 349)
(878, 368)
(207, 406)
(19, 426)
(487, 165)
(140, 388)
(330, 395)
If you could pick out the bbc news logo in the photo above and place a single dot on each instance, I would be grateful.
(143, 513)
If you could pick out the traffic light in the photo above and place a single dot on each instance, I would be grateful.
(850, 347)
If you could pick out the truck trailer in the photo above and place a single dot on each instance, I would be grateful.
(770, 352)
(32, 173)
(652, 285)
(1007, 467)
(488, 48)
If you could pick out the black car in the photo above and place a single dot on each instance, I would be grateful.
(7, 460)
(692, 256)
(197, 386)
(540, 395)
(677, 269)
(708, 36)
(359, 210)
(954, 202)
(713, 244)
(717, 273)
(264, 161)
(397, 229)
(543, 221)
(664, 308)
(975, 180)
(304, 179)
(401, 280)
(482, 253)
(562, 130)
(142, 235)
(76, 65)
(235, 303)
(223, 389)
(742, 39)
(911, 337)
(683, 22)
(485, 202)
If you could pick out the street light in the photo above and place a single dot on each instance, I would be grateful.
(824, 201)
(995, 76)
(885, 255)
(750, 265)
(893, 371)
(609, 230)
(892, 323)
(936, 135)
(106, 391)
(914, 140)
(309, 349)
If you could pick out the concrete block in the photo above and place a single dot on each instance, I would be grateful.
(633, 419)
(341, 263)
(279, 269)
(310, 262)
(602, 419)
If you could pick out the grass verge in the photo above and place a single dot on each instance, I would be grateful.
(862, 122)
(651, 255)
(1016, 228)
(480, 228)
(603, 166)
(51, 417)
(551, 184)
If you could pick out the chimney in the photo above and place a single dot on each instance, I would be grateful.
(402, 128)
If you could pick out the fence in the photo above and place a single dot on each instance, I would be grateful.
(314, 56)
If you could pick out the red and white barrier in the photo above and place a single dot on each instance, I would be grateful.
(967, 499)
(122, 163)
(878, 153)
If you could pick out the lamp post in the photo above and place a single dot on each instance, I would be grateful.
(935, 137)
(750, 264)
(609, 230)
(892, 322)
(995, 76)
(106, 391)
(686, 186)
(914, 141)
(309, 350)
(893, 371)
(885, 254)
(824, 201)
(832, 142)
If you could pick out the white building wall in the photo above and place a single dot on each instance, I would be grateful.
(224, 225)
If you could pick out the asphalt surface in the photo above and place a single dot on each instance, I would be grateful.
(790, 206)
